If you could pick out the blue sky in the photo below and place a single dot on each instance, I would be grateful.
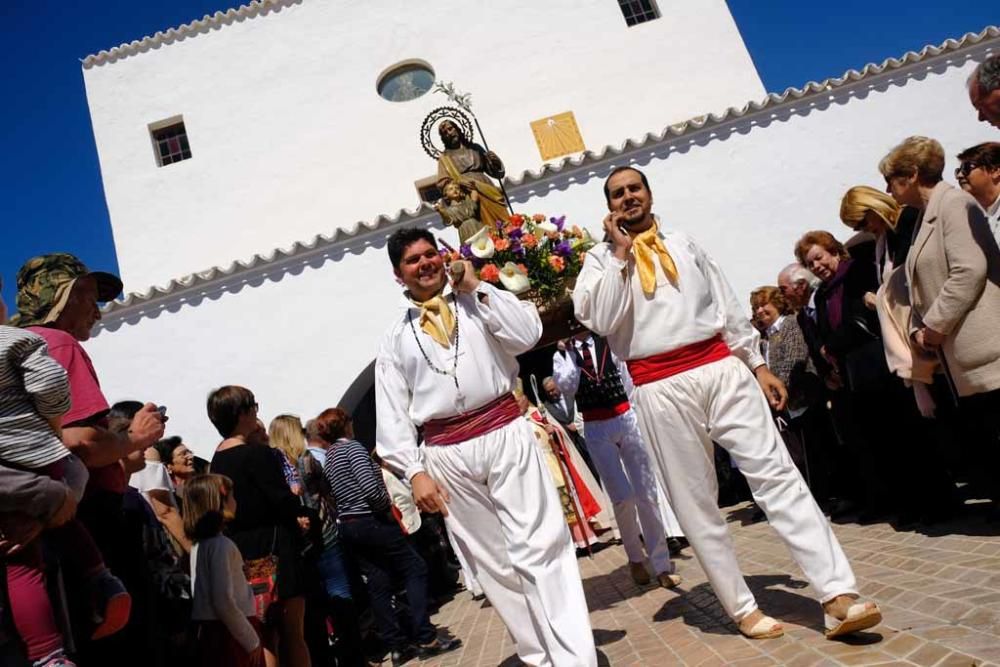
(52, 197)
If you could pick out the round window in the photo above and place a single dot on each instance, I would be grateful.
(406, 82)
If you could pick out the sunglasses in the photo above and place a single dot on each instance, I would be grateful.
(965, 168)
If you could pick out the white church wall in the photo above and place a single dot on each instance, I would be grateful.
(750, 192)
(289, 137)
(298, 337)
(746, 188)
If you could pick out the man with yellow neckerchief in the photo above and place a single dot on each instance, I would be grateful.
(445, 371)
(668, 311)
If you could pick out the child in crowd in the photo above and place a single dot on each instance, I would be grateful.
(227, 630)
(34, 393)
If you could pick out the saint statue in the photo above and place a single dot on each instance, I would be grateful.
(459, 208)
(470, 166)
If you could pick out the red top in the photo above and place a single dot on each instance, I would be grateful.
(86, 398)
(677, 361)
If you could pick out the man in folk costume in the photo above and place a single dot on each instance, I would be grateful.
(448, 365)
(589, 370)
(667, 309)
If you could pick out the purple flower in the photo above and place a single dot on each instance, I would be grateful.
(517, 248)
(499, 224)
(465, 250)
(478, 263)
(558, 222)
(516, 233)
(563, 249)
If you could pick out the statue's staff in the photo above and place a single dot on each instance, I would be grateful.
(464, 102)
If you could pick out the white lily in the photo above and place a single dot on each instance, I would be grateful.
(587, 238)
(514, 279)
(546, 227)
(481, 245)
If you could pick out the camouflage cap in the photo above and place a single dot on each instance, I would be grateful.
(44, 284)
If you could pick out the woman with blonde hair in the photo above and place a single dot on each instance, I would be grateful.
(953, 271)
(287, 437)
(865, 209)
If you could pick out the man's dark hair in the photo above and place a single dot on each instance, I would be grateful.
(988, 75)
(462, 139)
(401, 240)
(618, 170)
(985, 155)
(121, 414)
(226, 405)
(165, 448)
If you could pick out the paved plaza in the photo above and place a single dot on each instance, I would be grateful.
(939, 591)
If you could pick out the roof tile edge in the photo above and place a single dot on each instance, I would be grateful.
(170, 35)
(772, 100)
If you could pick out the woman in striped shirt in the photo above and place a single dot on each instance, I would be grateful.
(372, 535)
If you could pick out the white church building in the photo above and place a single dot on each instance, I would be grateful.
(255, 162)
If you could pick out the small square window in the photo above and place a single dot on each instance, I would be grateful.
(170, 142)
(428, 189)
(638, 11)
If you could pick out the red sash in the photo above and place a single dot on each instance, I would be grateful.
(677, 361)
(452, 430)
(597, 414)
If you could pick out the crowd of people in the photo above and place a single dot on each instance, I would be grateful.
(867, 382)
(885, 344)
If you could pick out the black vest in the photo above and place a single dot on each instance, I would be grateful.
(606, 389)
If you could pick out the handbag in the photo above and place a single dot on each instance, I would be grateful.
(262, 575)
(866, 366)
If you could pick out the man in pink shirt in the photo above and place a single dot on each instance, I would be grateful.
(57, 299)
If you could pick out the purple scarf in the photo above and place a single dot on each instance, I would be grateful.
(835, 295)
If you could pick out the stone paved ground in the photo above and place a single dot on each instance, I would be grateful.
(940, 594)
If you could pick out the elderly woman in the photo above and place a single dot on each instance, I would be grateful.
(885, 431)
(953, 270)
(787, 355)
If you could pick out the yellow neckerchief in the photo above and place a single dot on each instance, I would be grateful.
(644, 246)
(436, 319)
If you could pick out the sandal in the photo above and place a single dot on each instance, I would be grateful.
(860, 616)
(765, 628)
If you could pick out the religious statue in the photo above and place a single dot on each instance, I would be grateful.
(469, 166)
(459, 208)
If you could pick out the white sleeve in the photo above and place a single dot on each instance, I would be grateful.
(738, 333)
(514, 322)
(224, 564)
(566, 374)
(602, 296)
(395, 434)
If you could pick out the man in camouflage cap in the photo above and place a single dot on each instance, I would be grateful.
(45, 283)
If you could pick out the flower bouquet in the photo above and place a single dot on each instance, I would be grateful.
(537, 258)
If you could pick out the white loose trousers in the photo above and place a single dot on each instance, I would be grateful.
(680, 416)
(506, 518)
(622, 461)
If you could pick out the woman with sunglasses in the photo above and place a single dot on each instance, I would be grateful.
(978, 173)
(954, 286)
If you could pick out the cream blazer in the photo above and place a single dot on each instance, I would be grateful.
(953, 272)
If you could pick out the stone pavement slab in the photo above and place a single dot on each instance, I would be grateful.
(940, 594)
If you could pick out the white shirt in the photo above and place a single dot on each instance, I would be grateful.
(702, 306)
(153, 477)
(993, 215)
(408, 392)
(567, 374)
(402, 497)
